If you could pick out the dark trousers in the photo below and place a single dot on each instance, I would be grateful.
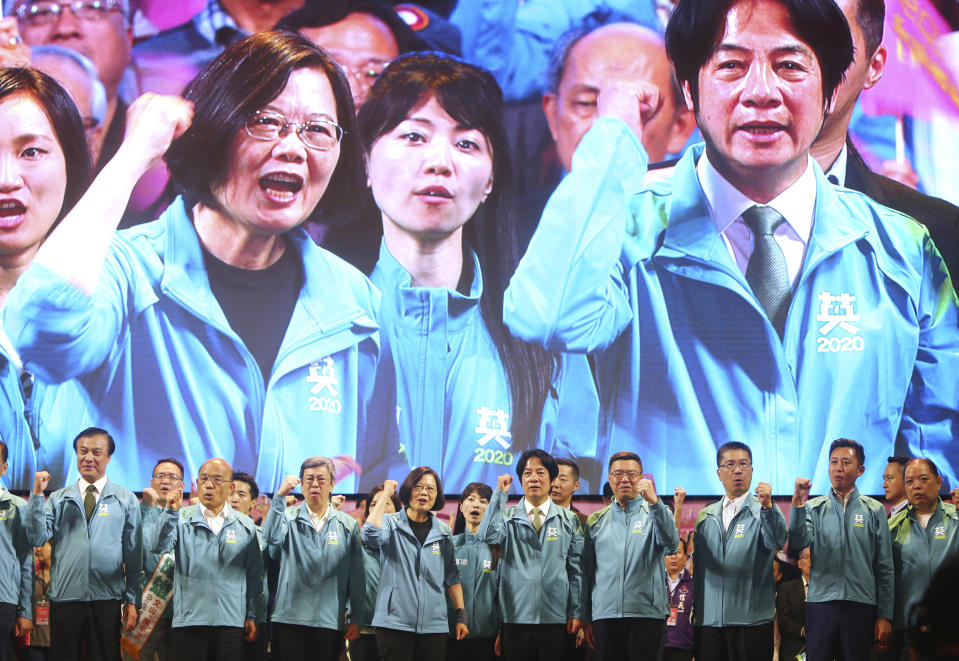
(632, 638)
(8, 620)
(734, 643)
(293, 643)
(202, 643)
(393, 645)
(363, 648)
(839, 627)
(96, 623)
(532, 642)
(256, 650)
(677, 654)
(470, 649)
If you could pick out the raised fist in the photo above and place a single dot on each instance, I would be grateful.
(647, 491)
(389, 488)
(764, 492)
(801, 493)
(289, 483)
(679, 496)
(40, 481)
(503, 482)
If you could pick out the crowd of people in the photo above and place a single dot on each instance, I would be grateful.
(359, 259)
(196, 578)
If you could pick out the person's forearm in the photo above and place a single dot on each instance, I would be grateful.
(456, 596)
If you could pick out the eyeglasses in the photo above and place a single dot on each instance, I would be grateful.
(632, 476)
(215, 479)
(172, 477)
(310, 479)
(733, 465)
(424, 489)
(319, 134)
(50, 11)
(365, 74)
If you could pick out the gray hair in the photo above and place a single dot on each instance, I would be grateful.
(98, 94)
(316, 462)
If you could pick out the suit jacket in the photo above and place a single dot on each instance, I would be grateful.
(791, 617)
(940, 217)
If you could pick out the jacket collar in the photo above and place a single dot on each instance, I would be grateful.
(552, 510)
(303, 514)
(435, 534)
(632, 506)
(197, 517)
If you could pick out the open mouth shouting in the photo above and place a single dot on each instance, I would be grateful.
(11, 212)
(281, 187)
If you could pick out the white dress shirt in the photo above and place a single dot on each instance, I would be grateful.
(317, 520)
(98, 485)
(726, 205)
(898, 507)
(215, 521)
(544, 508)
(838, 167)
(731, 508)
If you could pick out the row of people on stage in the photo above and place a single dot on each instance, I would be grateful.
(522, 580)
(741, 296)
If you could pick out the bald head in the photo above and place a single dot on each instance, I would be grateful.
(214, 483)
(619, 51)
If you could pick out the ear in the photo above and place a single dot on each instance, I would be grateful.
(877, 65)
(862, 469)
(489, 188)
(688, 96)
(366, 170)
(683, 125)
(551, 110)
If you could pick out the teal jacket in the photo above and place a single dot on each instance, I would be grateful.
(92, 560)
(851, 553)
(363, 602)
(626, 549)
(318, 570)
(16, 556)
(733, 582)
(480, 580)
(917, 552)
(414, 578)
(541, 577)
(150, 516)
(218, 577)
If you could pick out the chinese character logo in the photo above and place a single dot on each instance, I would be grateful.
(859, 521)
(103, 510)
(940, 532)
(332, 537)
(740, 530)
(638, 525)
(231, 537)
(493, 426)
(436, 548)
(487, 566)
(837, 311)
(323, 377)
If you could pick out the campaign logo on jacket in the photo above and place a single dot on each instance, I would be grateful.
(839, 332)
(103, 510)
(740, 531)
(859, 521)
(324, 389)
(487, 566)
(940, 532)
(552, 534)
(231, 537)
(332, 537)
(436, 549)
(639, 525)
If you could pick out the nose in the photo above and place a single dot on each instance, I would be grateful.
(760, 86)
(10, 178)
(438, 157)
(289, 147)
(67, 22)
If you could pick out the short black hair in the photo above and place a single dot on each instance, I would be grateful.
(682, 542)
(871, 17)
(170, 460)
(625, 455)
(544, 457)
(607, 490)
(3, 452)
(240, 476)
(697, 26)
(397, 505)
(849, 443)
(241, 80)
(902, 461)
(928, 462)
(328, 12)
(732, 445)
(566, 461)
(417, 474)
(89, 432)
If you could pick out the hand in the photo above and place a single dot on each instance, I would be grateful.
(635, 102)
(289, 483)
(352, 631)
(679, 497)
(764, 492)
(573, 625)
(174, 500)
(590, 639)
(498, 644)
(647, 491)
(290, 500)
(581, 637)
(503, 482)
(153, 122)
(191, 497)
(881, 632)
(150, 496)
(955, 497)
(13, 52)
(389, 488)
(337, 501)
(462, 631)
(130, 617)
(802, 491)
(249, 631)
(40, 482)
(901, 172)
(22, 627)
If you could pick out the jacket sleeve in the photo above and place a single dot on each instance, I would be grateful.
(38, 520)
(163, 537)
(451, 573)
(577, 603)
(253, 561)
(492, 528)
(356, 586)
(786, 613)
(801, 530)
(883, 567)
(132, 541)
(375, 537)
(589, 569)
(276, 527)
(569, 291)
(931, 410)
(666, 534)
(60, 331)
(25, 558)
(772, 527)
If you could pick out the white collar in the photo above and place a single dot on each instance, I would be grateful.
(544, 508)
(737, 502)
(209, 515)
(726, 203)
(316, 517)
(98, 485)
(898, 507)
(838, 167)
